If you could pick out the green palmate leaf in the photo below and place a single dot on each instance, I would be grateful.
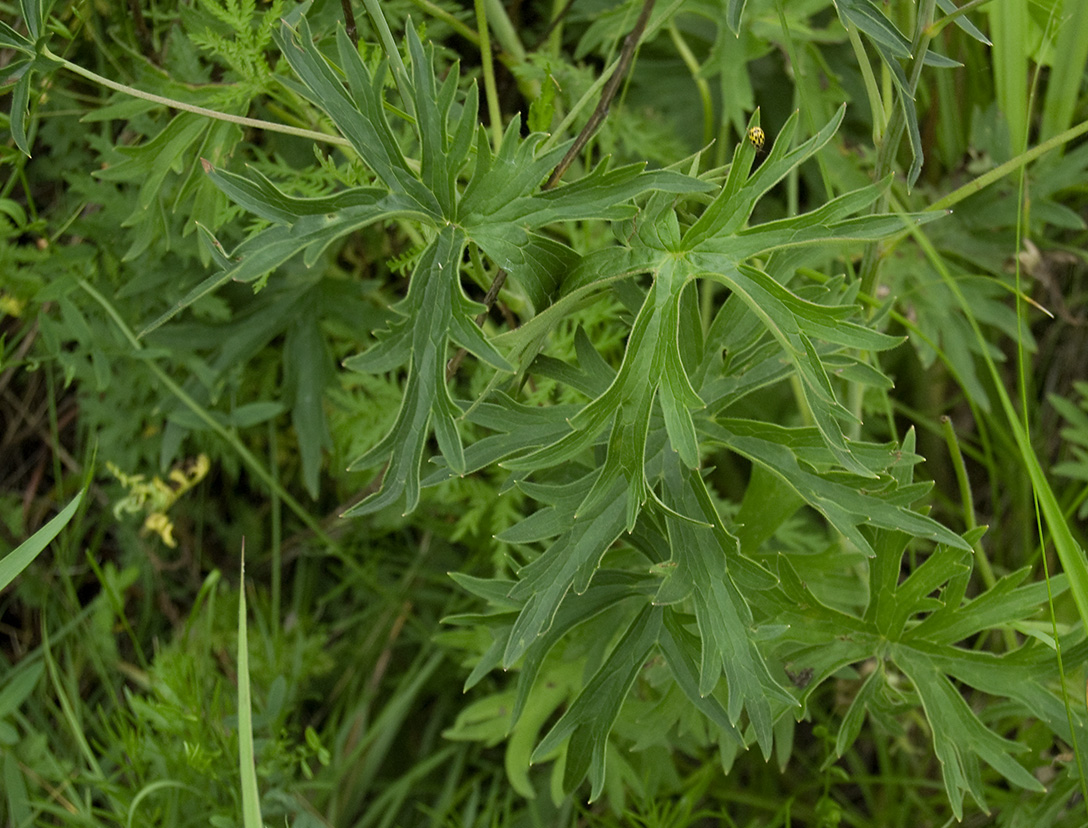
(589, 719)
(949, 7)
(554, 688)
(869, 19)
(20, 99)
(682, 651)
(569, 563)
(791, 320)
(150, 162)
(31, 57)
(358, 112)
(310, 234)
(601, 194)
(501, 203)
(700, 569)
(257, 194)
(921, 650)
(1005, 603)
(1028, 675)
(733, 15)
(427, 322)
(652, 369)
(768, 502)
(847, 506)
(865, 697)
(759, 292)
(960, 739)
(522, 427)
(501, 180)
(895, 606)
(609, 591)
(651, 354)
(11, 39)
(23, 71)
(35, 13)
(441, 154)
(504, 204)
(733, 206)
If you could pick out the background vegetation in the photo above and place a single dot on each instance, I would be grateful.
(572, 433)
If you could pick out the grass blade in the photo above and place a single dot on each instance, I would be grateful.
(251, 806)
(20, 558)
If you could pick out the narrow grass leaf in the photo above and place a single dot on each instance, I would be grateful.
(247, 766)
(20, 558)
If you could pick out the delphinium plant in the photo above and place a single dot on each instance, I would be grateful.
(672, 381)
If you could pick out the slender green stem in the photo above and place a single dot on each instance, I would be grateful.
(872, 89)
(1022, 388)
(692, 64)
(504, 30)
(277, 525)
(494, 113)
(446, 17)
(938, 26)
(1010, 166)
(969, 519)
(982, 560)
(893, 134)
(198, 110)
(75, 721)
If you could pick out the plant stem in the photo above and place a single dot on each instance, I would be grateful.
(268, 126)
(630, 43)
(1010, 166)
(595, 120)
(692, 64)
(349, 23)
(441, 14)
(494, 113)
(505, 33)
(893, 135)
(960, 469)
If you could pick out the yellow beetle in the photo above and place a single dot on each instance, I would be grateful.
(757, 137)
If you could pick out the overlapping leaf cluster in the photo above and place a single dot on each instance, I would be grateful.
(629, 547)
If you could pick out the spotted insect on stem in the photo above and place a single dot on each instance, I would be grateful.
(757, 137)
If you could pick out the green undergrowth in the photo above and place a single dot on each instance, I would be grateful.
(628, 413)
